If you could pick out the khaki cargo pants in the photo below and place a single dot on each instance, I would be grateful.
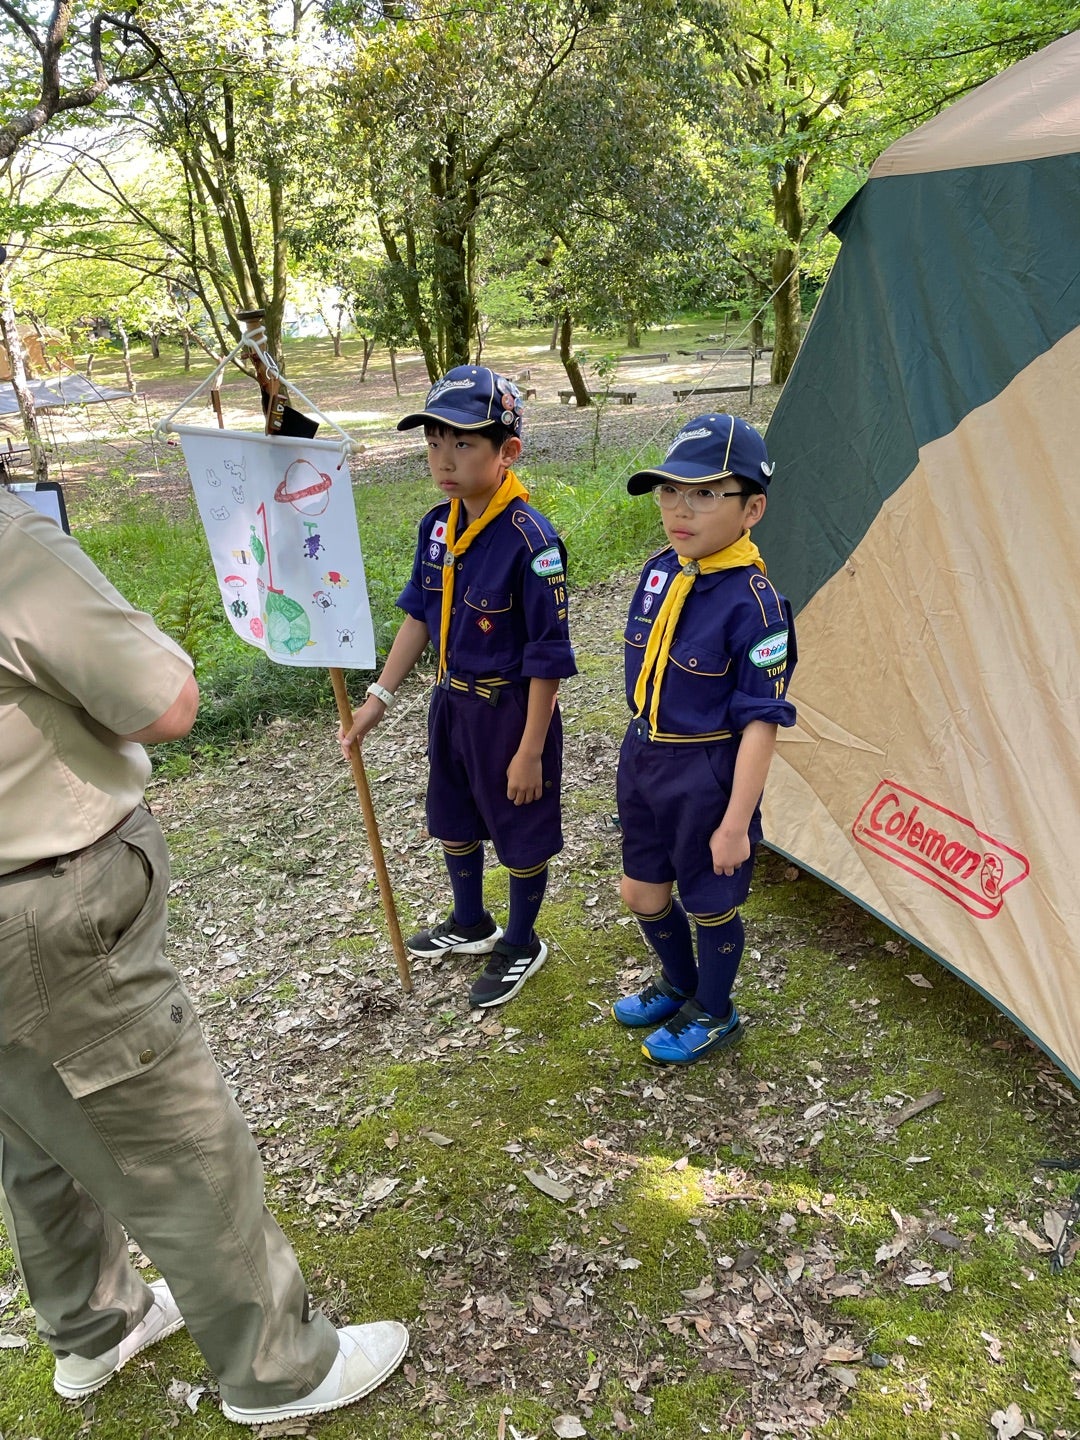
(113, 1114)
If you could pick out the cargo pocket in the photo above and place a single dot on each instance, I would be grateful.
(24, 999)
(151, 1085)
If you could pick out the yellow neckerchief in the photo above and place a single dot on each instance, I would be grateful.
(658, 648)
(510, 490)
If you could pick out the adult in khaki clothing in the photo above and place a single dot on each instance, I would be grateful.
(113, 1114)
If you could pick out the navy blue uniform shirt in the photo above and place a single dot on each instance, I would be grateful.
(731, 658)
(509, 610)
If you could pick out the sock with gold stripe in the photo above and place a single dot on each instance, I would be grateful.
(526, 894)
(720, 941)
(668, 932)
(465, 866)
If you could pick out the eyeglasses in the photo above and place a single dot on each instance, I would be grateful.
(700, 501)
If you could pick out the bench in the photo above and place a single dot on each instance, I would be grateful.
(530, 392)
(662, 357)
(624, 397)
(12, 457)
(688, 391)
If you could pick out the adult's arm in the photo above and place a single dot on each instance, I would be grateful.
(177, 720)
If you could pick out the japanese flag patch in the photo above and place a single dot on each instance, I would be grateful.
(655, 581)
(438, 532)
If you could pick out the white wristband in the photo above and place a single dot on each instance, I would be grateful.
(382, 693)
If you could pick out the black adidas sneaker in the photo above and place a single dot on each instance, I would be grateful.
(506, 972)
(450, 938)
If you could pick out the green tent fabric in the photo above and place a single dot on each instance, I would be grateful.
(923, 522)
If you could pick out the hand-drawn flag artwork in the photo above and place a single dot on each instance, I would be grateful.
(281, 525)
(924, 522)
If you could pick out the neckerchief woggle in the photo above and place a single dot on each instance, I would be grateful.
(658, 648)
(510, 490)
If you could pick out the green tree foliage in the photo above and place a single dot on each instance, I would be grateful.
(825, 85)
(62, 60)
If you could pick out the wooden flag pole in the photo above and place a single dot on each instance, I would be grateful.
(386, 892)
(278, 412)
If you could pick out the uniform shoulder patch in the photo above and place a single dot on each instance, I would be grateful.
(548, 562)
(770, 651)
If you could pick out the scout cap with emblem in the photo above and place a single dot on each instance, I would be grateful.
(708, 448)
(471, 397)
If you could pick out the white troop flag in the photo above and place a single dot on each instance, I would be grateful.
(281, 524)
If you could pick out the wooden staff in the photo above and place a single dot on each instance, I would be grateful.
(278, 411)
(363, 790)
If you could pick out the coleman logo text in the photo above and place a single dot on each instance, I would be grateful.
(940, 847)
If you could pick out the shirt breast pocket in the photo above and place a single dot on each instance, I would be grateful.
(486, 642)
(697, 690)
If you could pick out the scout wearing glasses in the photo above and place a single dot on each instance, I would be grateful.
(709, 650)
(488, 589)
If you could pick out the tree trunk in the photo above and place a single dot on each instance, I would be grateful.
(785, 271)
(369, 346)
(129, 374)
(633, 332)
(554, 334)
(39, 460)
(185, 340)
(393, 369)
(790, 215)
(570, 364)
(155, 347)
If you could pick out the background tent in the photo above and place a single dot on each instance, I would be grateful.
(43, 349)
(925, 521)
(58, 393)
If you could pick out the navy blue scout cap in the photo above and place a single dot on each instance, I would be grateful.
(468, 398)
(709, 448)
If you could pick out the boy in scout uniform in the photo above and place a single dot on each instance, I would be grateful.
(113, 1114)
(709, 651)
(488, 590)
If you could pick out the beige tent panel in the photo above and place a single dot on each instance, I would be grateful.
(960, 601)
(1027, 112)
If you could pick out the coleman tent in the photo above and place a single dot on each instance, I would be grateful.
(925, 522)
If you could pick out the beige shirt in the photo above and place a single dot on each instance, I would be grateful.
(78, 668)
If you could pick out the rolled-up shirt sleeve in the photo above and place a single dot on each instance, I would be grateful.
(547, 653)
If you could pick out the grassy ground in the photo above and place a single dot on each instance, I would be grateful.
(755, 1247)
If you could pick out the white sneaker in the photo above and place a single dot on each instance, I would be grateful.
(76, 1376)
(367, 1355)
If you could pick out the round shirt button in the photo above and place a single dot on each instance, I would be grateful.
(146, 1057)
(693, 664)
(483, 604)
(461, 565)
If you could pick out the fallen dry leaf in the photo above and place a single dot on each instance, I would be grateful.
(554, 1188)
(12, 1342)
(704, 1291)
(993, 1346)
(568, 1427)
(1008, 1423)
(920, 980)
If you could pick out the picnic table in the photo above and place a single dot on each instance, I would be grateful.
(661, 356)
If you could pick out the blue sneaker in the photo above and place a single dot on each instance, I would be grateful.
(652, 1006)
(692, 1034)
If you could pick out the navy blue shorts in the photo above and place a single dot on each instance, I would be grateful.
(671, 798)
(470, 746)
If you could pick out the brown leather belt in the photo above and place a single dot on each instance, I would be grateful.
(51, 860)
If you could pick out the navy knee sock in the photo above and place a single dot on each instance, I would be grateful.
(526, 894)
(719, 948)
(465, 866)
(668, 932)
